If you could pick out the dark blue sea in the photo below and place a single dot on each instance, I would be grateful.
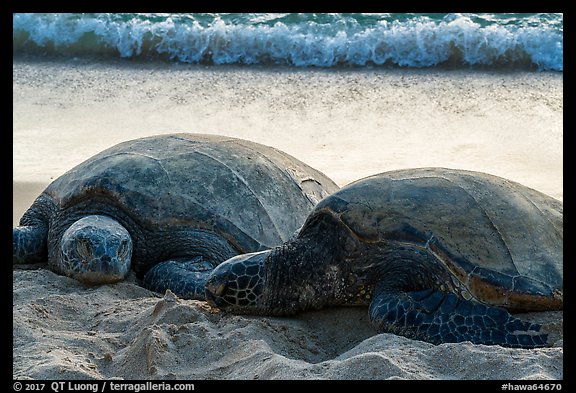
(524, 41)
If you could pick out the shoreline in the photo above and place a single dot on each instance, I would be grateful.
(143, 62)
(346, 123)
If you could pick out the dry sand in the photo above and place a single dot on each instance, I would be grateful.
(348, 124)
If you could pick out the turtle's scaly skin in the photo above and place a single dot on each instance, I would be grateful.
(171, 207)
(438, 255)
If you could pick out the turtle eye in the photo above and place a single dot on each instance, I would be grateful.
(83, 248)
(123, 249)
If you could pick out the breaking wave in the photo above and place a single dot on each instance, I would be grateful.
(302, 40)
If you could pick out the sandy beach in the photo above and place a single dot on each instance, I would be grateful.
(347, 123)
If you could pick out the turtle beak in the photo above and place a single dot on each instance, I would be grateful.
(214, 295)
(213, 299)
(216, 285)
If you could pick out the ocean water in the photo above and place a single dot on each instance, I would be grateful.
(525, 41)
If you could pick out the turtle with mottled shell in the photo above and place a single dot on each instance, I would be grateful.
(438, 255)
(170, 207)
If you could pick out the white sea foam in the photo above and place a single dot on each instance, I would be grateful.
(416, 42)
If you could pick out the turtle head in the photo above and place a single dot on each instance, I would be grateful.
(281, 281)
(95, 250)
(237, 284)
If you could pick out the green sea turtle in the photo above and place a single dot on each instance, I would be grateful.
(439, 255)
(171, 207)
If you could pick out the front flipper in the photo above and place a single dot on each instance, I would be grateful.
(440, 317)
(185, 278)
(29, 244)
